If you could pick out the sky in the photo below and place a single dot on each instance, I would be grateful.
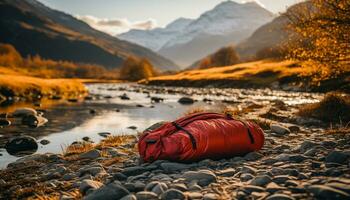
(117, 16)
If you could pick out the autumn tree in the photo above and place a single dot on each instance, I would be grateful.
(9, 56)
(135, 69)
(223, 57)
(323, 27)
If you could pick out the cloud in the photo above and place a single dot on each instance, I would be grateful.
(117, 26)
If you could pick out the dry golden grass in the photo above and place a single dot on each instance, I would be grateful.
(334, 108)
(259, 71)
(26, 86)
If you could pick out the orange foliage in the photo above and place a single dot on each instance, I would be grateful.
(45, 68)
(135, 69)
(223, 57)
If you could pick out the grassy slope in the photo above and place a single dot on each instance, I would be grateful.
(253, 74)
(13, 83)
(260, 72)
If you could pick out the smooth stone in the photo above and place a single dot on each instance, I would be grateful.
(253, 188)
(108, 192)
(144, 195)
(93, 170)
(273, 187)
(89, 184)
(246, 177)
(306, 145)
(132, 127)
(261, 180)
(44, 142)
(340, 186)
(194, 195)
(227, 172)
(172, 166)
(129, 197)
(34, 121)
(210, 196)
(25, 144)
(279, 129)
(253, 156)
(20, 112)
(249, 170)
(186, 100)
(337, 157)
(173, 194)
(327, 193)
(134, 170)
(281, 179)
(5, 122)
(203, 177)
(280, 197)
(179, 186)
(92, 154)
(104, 134)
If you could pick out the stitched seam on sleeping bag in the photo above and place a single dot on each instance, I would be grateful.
(249, 132)
(193, 140)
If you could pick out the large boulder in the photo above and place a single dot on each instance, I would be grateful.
(21, 145)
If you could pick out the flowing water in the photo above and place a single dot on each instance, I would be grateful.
(107, 112)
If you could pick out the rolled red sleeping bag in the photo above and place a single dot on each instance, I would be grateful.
(200, 136)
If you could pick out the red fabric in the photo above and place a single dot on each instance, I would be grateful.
(216, 136)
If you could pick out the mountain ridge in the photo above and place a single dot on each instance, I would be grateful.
(39, 28)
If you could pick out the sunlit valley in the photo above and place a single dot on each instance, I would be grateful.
(231, 100)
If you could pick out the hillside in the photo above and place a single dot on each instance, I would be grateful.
(285, 75)
(33, 28)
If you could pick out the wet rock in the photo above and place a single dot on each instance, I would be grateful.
(132, 127)
(294, 128)
(86, 139)
(202, 177)
(261, 180)
(89, 185)
(34, 121)
(5, 122)
(273, 187)
(92, 111)
(108, 192)
(280, 197)
(179, 186)
(186, 100)
(44, 142)
(21, 112)
(104, 134)
(157, 187)
(156, 99)
(249, 170)
(173, 194)
(280, 130)
(194, 195)
(327, 193)
(172, 166)
(124, 97)
(281, 179)
(155, 126)
(144, 195)
(93, 154)
(337, 157)
(93, 170)
(253, 156)
(21, 144)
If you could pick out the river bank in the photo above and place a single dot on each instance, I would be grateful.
(301, 160)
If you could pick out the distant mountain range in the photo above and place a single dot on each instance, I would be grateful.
(34, 29)
(186, 41)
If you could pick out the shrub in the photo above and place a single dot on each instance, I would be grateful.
(333, 108)
(223, 57)
(135, 69)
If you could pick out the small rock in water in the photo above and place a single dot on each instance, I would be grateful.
(132, 127)
(34, 121)
(104, 134)
(21, 144)
(44, 142)
(21, 112)
(86, 139)
(5, 122)
(186, 100)
(124, 97)
(93, 154)
(280, 130)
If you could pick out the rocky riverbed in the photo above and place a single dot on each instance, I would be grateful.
(300, 159)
